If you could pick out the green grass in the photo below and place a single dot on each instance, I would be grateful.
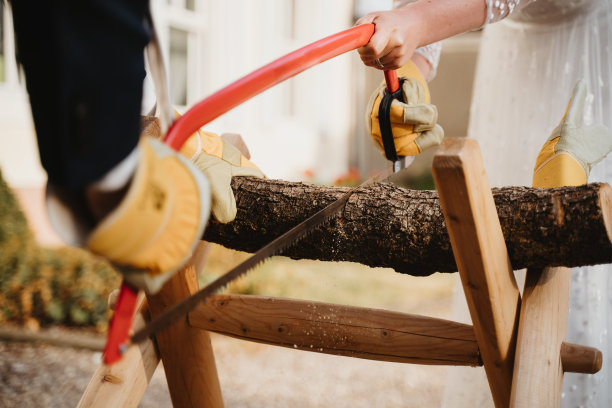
(334, 282)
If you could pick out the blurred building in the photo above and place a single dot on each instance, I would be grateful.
(301, 124)
(311, 122)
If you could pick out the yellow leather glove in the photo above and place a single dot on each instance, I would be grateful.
(566, 158)
(218, 158)
(220, 161)
(153, 230)
(413, 121)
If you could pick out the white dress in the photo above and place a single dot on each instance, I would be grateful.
(527, 66)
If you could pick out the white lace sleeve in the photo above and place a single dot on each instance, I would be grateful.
(500, 9)
(431, 53)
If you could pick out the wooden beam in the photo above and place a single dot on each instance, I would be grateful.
(123, 384)
(356, 332)
(341, 330)
(580, 359)
(482, 259)
(538, 370)
(186, 351)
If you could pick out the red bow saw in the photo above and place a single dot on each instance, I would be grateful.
(216, 105)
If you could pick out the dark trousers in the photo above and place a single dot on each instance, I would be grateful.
(84, 67)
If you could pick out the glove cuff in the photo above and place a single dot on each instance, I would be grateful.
(410, 70)
(562, 169)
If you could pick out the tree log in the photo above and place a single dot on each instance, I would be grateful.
(387, 226)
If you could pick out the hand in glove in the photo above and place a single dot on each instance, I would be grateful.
(151, 232)
(413, 120)
(220, 161)
(566, 158)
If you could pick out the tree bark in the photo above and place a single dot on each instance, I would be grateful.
(386, 226)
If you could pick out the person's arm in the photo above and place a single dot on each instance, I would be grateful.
(399, 32)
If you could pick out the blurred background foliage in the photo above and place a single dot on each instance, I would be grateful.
(48, 285)
(345, 283)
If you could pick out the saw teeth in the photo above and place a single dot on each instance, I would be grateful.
(275, 247)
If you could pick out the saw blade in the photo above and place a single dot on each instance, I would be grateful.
(275, 247)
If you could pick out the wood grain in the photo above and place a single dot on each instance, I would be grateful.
(480, 252)
(341, 330)
(123, 384)
(538, 370)
(580, 359)
(352, 331)
(387, 226)
(186, 351)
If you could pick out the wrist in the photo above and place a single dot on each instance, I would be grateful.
(414, 20)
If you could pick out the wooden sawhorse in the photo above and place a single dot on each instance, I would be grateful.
(520, 342)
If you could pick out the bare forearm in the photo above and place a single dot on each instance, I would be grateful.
(399, 32)
(441, 19)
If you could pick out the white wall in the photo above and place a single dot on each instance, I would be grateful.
(303, 123)
(19, 160)
(309, 122)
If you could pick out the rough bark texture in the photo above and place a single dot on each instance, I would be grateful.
(386, 226)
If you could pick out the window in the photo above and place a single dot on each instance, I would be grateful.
(186, 4)
(178, 66)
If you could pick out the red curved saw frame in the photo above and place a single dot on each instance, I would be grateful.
(263, 78)
(216, 105)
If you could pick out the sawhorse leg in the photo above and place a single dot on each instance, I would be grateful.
(482, 259)
(538, 372)
(185, 351)
(124, 383)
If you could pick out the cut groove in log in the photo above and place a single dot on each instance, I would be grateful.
(352, 331)
(387, 226)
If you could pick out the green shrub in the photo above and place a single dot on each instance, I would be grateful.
(43, 285)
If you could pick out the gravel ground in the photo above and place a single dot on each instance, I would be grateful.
(251, 375)
(39, 375)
